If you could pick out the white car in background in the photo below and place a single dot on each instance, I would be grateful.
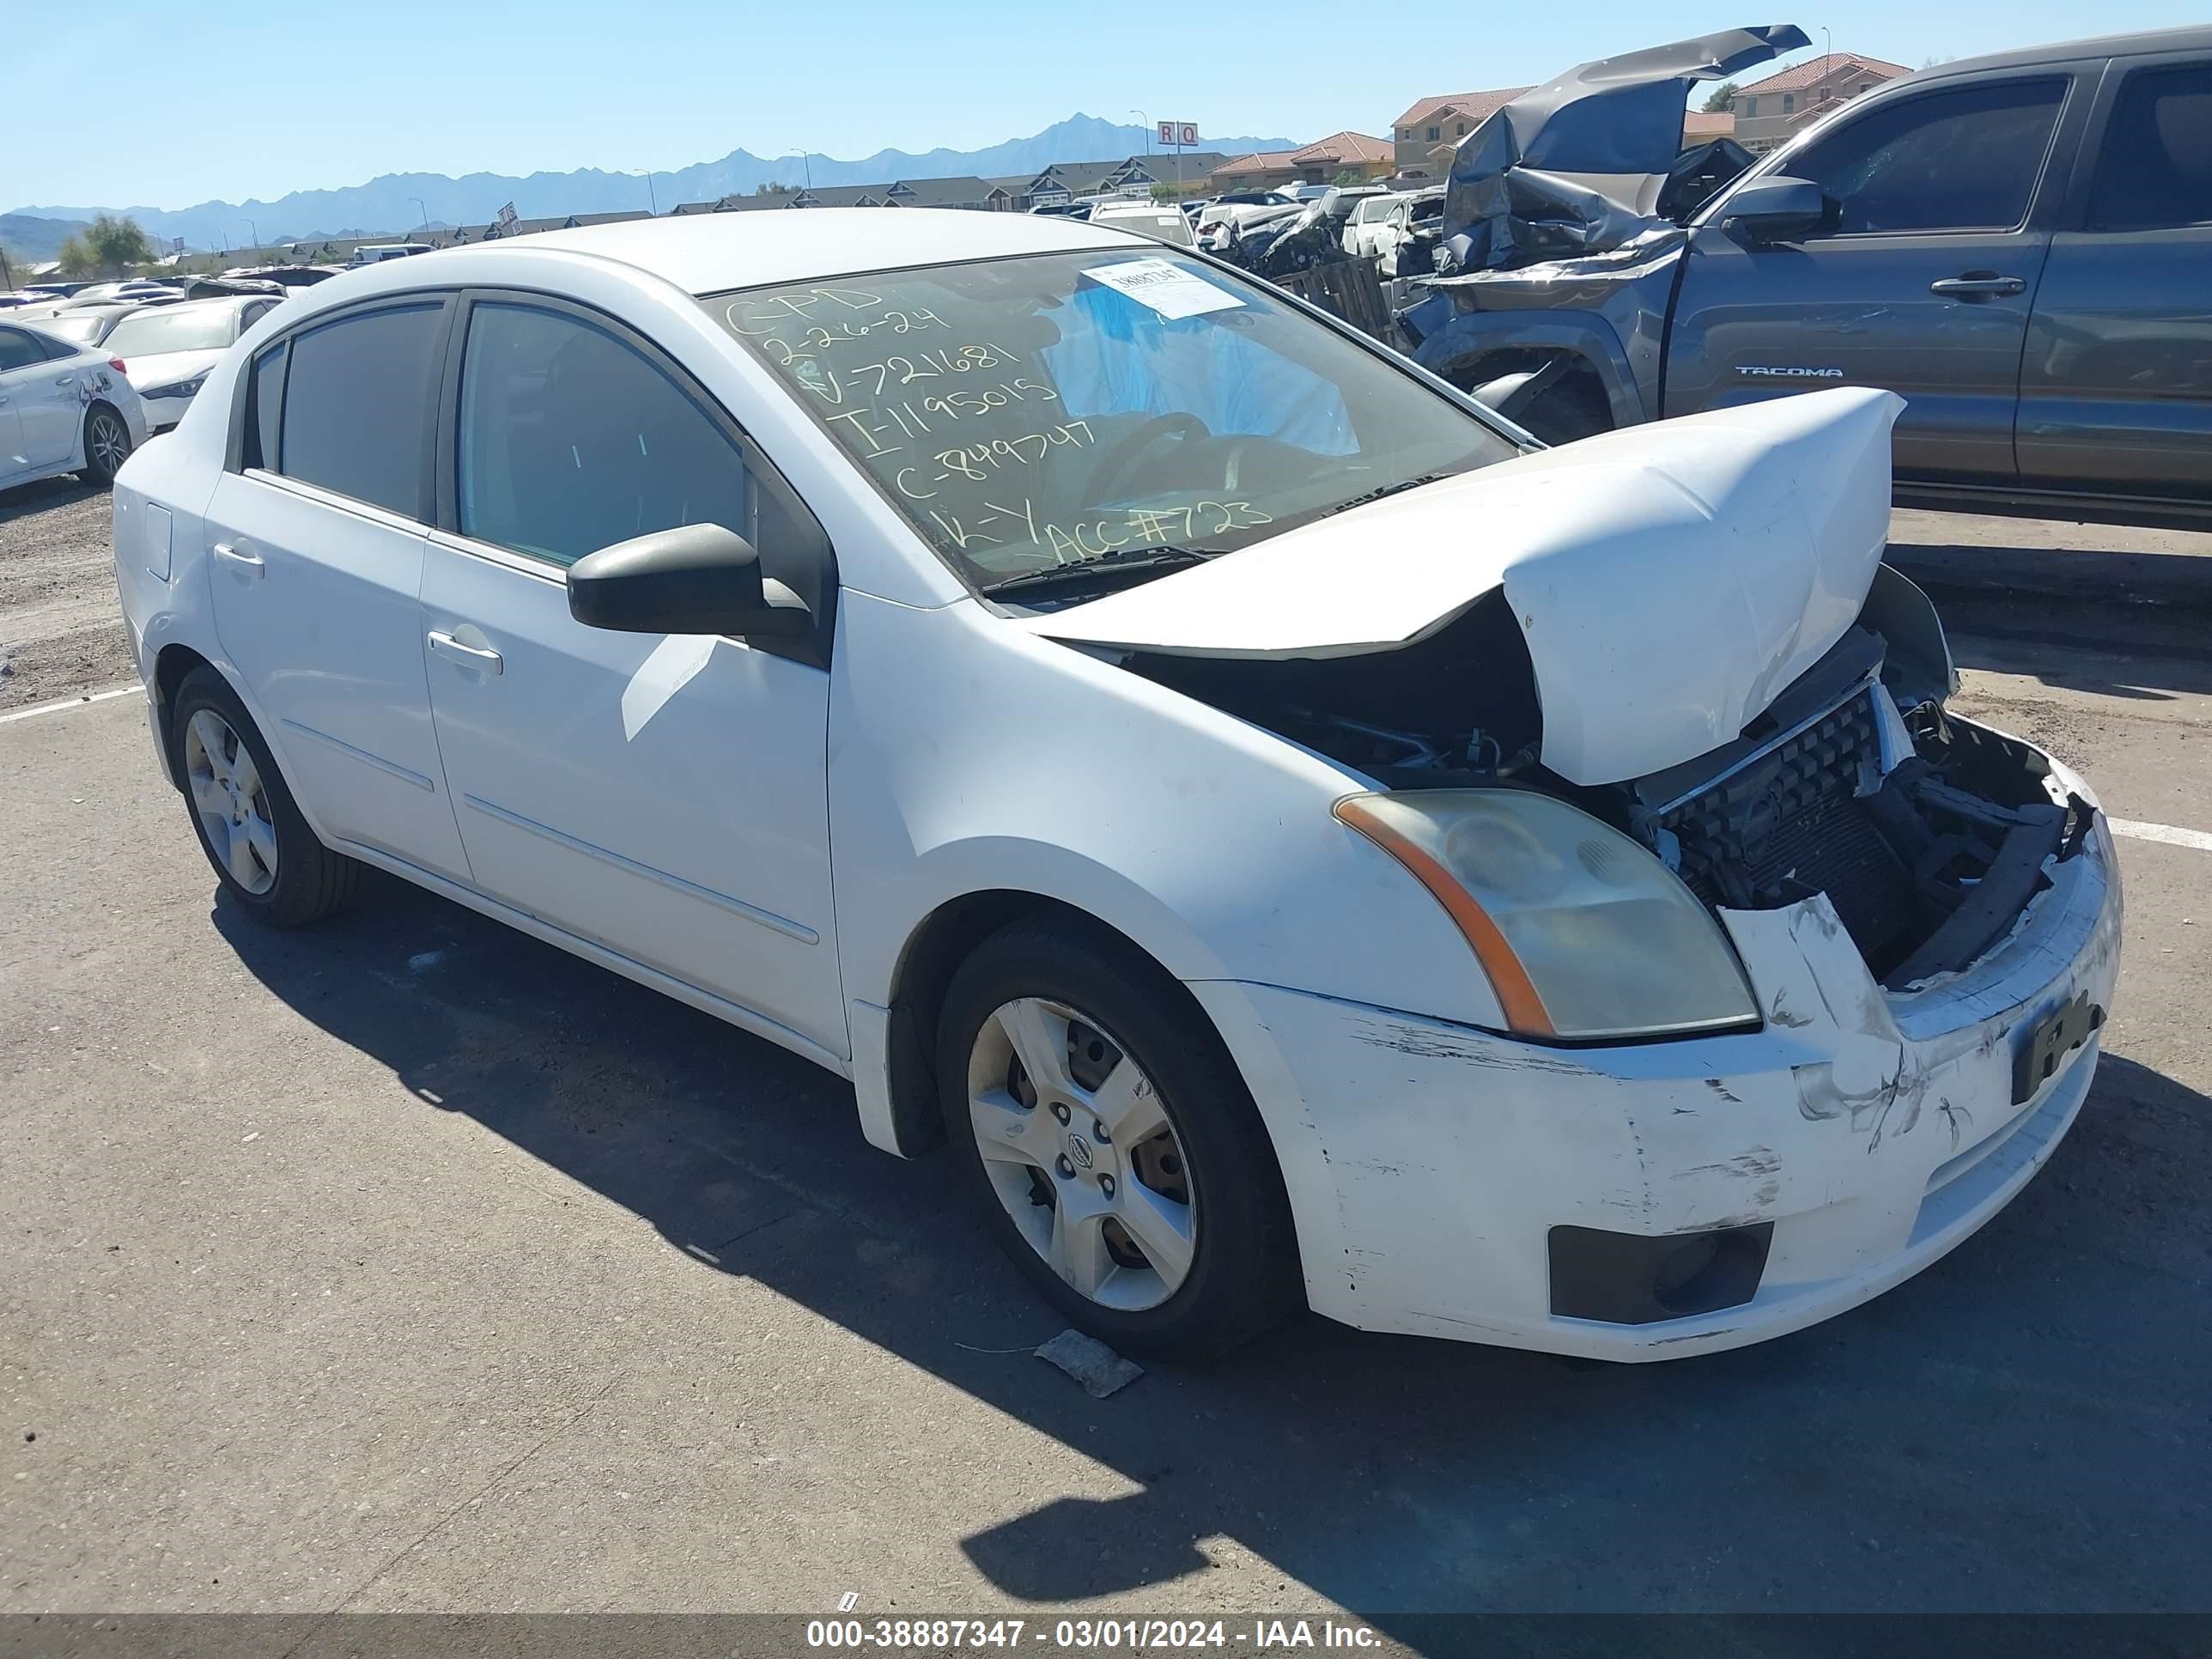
(1380, 224)
(64, 408)
(1162, 222)
(167, 350)
(1299, 839)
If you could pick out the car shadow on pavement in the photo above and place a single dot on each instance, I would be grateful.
(1970, 1441)
(42, 496)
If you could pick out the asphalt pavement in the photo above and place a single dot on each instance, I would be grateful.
(408, 1264)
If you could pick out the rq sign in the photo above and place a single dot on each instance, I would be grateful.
(1179, 135)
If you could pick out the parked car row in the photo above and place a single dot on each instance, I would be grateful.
(84, 383)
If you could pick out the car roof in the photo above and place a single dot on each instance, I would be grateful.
(210, 302)
(707, 252)
(2195, 38)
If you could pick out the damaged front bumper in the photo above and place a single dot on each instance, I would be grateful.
(1453, 1182)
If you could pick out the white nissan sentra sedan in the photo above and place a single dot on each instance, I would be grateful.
(1299, 838)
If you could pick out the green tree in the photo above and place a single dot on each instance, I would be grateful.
(771, 189)
(1349, 176)
(116, 245)
(1723, 97)
(77, 260)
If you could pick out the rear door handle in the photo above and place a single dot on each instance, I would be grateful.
(482, 658)
(244, 559)
(1978, 283)
(66, 379)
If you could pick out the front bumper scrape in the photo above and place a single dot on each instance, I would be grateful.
(1428, 1162)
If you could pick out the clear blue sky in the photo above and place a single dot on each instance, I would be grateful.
(261, 99)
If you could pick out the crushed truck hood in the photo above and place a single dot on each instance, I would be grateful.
(1583, 162)
(1670, 580)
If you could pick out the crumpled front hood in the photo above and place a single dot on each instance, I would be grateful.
(1670, 580)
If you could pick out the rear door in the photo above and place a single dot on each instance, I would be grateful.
(1940, 204)
(2116, 387)
(315, 553)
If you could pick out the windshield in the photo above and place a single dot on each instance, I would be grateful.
(150, 333)
(1058, 409)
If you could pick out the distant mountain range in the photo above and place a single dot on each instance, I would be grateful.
(388, 204)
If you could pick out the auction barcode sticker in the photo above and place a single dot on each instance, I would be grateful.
(1167, 288)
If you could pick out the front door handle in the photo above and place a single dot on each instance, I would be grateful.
(480, 658)
(243, 560)
(1977, 282)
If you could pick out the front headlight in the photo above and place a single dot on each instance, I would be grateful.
(179, 388)
(1583, 933)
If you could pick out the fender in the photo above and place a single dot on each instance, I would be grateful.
(1470, 336)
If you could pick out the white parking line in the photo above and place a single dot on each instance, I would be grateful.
(2172, 834)
(60, 703)
(2164, 832)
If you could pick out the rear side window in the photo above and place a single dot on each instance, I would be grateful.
(265, 399)
(18, 350)
(2156, 170)
(1966, 159)
(357, 409)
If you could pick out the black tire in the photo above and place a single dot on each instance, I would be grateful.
(1576, 407)
(1243, 1275)
(312, 882)
(105, 429)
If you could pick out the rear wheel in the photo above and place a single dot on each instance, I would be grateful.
(106, 444)
(251, 831)
(1120, 1158)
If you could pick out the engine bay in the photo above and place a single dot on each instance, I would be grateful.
(1930, 835)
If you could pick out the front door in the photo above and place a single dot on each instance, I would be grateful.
(2116, 390)
(315, 544)
(663, 796)
(1921, 283)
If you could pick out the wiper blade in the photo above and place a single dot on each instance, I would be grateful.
(1381, 490)
(1117, 560)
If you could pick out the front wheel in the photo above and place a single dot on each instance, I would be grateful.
(1120, 1158)
(106, 444)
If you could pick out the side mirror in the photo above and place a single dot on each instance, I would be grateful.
(1776, 209)
(695, 579)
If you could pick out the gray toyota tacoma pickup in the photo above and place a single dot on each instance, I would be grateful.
(2020, 244)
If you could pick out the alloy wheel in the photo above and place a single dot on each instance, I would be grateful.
(110, 443)
(232, 803)
(1079, 1149)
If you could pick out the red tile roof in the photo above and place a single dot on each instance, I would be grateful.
(1699, 127)
(1337, 146)
(1475, 106)
(1813, 69)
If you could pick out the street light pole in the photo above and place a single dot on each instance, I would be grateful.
(652, 200)
(1147, 120)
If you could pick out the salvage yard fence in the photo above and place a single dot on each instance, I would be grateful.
(1349, 288)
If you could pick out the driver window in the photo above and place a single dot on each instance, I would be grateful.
(570, 440)
(1966, 159)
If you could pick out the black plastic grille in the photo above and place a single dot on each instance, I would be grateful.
(1790, 823)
